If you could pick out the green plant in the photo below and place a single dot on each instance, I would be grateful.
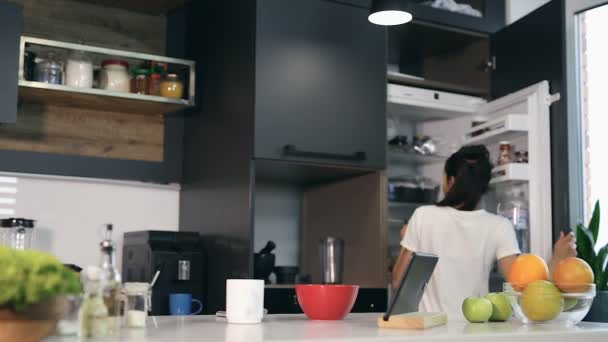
(30, 277)
(586, 238)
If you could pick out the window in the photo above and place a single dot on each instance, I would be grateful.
(593, 74)
(8, 193)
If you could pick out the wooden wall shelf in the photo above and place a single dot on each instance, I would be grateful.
(98, 99)
(101, 99)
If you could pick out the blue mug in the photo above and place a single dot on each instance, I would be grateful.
(180, 304)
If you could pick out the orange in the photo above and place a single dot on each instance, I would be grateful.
(526, 269)
(573, 275)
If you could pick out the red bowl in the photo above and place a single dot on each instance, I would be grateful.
(327, 302)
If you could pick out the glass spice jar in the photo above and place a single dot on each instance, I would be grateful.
(172, 87)
(114, 75)
(139, 82)
(505, 153)
(49, 70)
(154, 82)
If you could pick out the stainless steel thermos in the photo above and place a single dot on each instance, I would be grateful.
(332, 260)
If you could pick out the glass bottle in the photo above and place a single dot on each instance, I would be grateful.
(514, 206)
(93, 314)
(110, 281)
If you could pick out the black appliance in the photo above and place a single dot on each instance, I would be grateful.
(178, 255)
(263, 262)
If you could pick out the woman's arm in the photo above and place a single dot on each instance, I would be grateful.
(403, 261)
(564, 247)
(504, 264)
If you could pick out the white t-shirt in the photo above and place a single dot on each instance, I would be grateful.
(467, 243)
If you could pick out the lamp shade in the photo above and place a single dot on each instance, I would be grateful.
(389, 12)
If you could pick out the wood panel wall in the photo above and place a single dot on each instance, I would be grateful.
(354, 210)
(84, 132)
(76, 21)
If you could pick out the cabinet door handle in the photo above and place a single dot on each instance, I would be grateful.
(292, 151)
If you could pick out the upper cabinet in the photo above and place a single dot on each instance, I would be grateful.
(70, 103)
(487, 16)
(484, 16)
(320, 84)
(11, 16)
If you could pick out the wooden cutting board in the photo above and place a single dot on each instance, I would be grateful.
(414, 320)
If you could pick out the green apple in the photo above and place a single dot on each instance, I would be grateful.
(501, 307)
(570, 303)
(477, 310)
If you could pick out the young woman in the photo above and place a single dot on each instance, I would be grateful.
(467, 241)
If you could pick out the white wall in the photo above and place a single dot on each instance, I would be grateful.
(70, 212)
(519, 8)
(277, 218)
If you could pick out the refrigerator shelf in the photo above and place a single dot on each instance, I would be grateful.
(416, 104)
(396, 157)
(514, 172)
(504, 128)
(393, 222)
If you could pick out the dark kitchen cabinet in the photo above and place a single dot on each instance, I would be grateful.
(320, 84)
(310, 75)
(492, 14)
(11, 17)
(27, 122)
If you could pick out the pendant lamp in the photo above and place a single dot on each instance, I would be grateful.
(389, 12)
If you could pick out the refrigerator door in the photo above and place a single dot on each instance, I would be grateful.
(522, 118)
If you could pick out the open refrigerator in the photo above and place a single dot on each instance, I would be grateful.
(520, 118)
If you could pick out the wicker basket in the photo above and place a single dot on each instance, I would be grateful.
(34, 324)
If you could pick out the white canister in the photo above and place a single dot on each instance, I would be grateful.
(244, 301)
(115, 76)
(79, 71)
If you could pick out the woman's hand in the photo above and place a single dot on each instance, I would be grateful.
(402, 232)
(565, 247)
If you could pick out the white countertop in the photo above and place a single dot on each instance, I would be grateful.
(357, 327)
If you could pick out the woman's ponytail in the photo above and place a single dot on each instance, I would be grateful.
(472, 171)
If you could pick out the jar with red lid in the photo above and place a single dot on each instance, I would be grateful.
(115, 76)
(505, 155)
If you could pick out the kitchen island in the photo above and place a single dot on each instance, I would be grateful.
(357, 327)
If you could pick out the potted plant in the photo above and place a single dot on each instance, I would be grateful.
(586, 239)
(33, 290)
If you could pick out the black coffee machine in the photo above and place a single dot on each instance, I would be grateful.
(178, 255)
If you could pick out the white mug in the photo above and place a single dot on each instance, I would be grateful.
(244, 301)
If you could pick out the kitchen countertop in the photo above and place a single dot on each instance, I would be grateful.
(359, 327)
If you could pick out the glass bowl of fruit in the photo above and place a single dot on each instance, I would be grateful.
(543, 302)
